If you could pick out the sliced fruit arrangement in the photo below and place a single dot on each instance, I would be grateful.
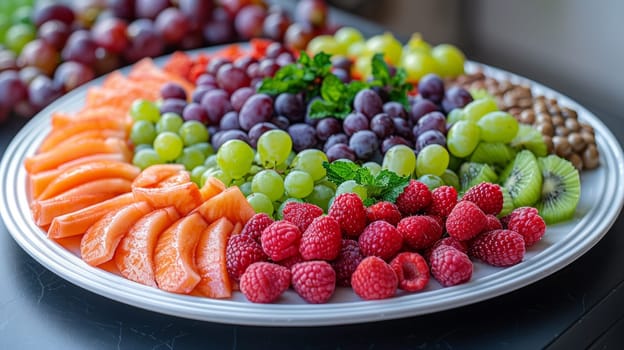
(257, 164)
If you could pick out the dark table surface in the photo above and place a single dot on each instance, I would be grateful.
(580, 306)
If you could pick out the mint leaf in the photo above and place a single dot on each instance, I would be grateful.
(392, 184)
(341, 171)
(379, 69)
(332, 89)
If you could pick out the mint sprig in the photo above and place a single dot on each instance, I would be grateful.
(385, 186)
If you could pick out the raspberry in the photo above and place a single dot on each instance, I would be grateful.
(350, 212)
(385, 211)
(291, 261)
(374, 279)
(416, 196)
(256, 225)
(411, 270)
(443, 199)
(465, 221)
(492, 223)
(527, 222)
(301, 214)
(280, 240)
(450, 266)
(449, 241)
(321, 240)
(242, 251)
(346, 262)
(419, 231)
(487, 196)
(264, 282)
(498, 247)
(314, 281)
(380, 239)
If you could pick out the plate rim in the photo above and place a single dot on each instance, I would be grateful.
(47, 252)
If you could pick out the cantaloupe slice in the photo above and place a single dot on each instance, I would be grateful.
(210, 260)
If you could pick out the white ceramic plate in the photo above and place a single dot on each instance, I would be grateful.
(601, 201)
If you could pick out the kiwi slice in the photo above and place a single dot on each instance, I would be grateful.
(561, 189)
(471, 174)
(531, 139)
(451, 178)
(523, 179)
(508, 205)
(493, 153)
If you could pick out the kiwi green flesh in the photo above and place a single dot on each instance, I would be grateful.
(508, 205)
(471, 174)
(493, 153)
(530, 139)
(523, 179)
(561, 189)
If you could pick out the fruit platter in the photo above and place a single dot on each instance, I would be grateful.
(354, 180)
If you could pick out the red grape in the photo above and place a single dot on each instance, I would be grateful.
(53, 11)
(41, 55)
(42, 91)
(54, 33)
(70, 75)
(198, 11)
(431, 87)
(123, 9)
(257, 109)
(218, 32)
(297, 36)
(144, 40)
(172, 25)
(172, 90)
(340, 151)
(110, 33)
(249, 21)
(312, 11)
(231, 78)
(12, 89)
(150, 8)
(80, 47)
(382, 125)
(217, 103)
(275, 25)
(8, 61)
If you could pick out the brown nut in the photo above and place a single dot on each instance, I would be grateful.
(587, 127)
(545, 128)
(561, 145)
(542, 117)
(525, 102)
(568, 113)
(591, 158)
(549, 144)
(562, 131)
(576, 160)
(557, 120)
(588, 137)
(576, 141)
(572, 124)
(527, 116)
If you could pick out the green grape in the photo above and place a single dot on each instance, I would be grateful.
(168, 145)
(357, 49)
(350, 186)
(217, 174)
(254, 170)
(192, 132)
(325, 182)
(191, 158)
(196, 174)
(456, 114)
(450, 60)
(373, 167)
(142, 132)
(432, 159)
(321, 194)
(5, 24)
(498, 127)
(399, 159)
(18, 35)
(142, 146)
(451, 178)
(298, 184)
(476, 109)
(238, 182)
(327, 44)
(362, 65)
(261, 203)
(432, 181)
(235, 158)
(144, 110)
(454, 162)
(246, 188)
(462, 138)
(211, 161)
(388, 45)
(418, 64)
(347, 36)
(418, 44)
(169, 122)
(23, 14)
(274, 147)
(204, 147)
(311, 161)
(145, 158)
(268, 182)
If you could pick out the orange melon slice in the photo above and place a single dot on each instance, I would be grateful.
(231, 203)
(210, 260)
(174, 257)
(134, 256)
(184, 197)
(98, 244)
(105, 116)
(211, 188)
(101, 134)
(153, 175)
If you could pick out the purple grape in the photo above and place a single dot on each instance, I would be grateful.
(355, 122)
(281, 122)
(80, 47)
(257, 130)
(199, 93)
(215, 64)
(429, 137)
(206, 80)
(335, 139)
(239, 97)
(431, 87)
(432, 121)
(303, 136)
(394, 109)
(229, 121)
(52, 11)
(364, 144)
(342, 74)
(195, 111)
(456, 97)
(217, 103)
(342, 62)
(340, 151)
(420, 108)
(69, 75)
(275, 49)
(144, 41)
(284, 59)
(150, 8)
(12, 89)
(42, 91)
(244, 62)
(382, 125)
(402, 128)
(368, 103)
(198, 11)
(257, 109)
(268, 67)
(172, 90)
(122, 8)
(231, 78)
(223, 136)
(218, 31)
(173, 105)
(253, 71)
(327, 127)
(290, 106)
(382, 92)
(394, 140)
(54, 33)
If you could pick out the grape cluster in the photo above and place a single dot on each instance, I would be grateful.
(50, 48)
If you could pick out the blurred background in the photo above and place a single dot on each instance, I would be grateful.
(573, 46)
